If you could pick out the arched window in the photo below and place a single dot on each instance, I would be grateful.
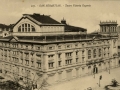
(114, 43)
(26, 28)
(89, 54)
(94, 53)
(113, 28)
(100, 53)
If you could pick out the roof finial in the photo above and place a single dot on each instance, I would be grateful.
(63, 19)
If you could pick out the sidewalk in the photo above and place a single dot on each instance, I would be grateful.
(89, 81)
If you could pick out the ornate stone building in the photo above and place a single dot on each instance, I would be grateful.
(58, 57)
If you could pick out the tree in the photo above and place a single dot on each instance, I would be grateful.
(114, 83)
(31, 83)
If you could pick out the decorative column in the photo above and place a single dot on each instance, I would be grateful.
(23, 57)
(74, 57)
(56, 59)
(63, 58)
(45, 62)
(80, 56)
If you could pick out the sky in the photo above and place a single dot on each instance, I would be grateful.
(87, 17)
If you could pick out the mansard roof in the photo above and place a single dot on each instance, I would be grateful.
(3, 26)
(44, 19)
(69, 28)
(7, 27)
(40, 19)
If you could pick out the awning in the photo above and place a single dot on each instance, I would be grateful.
(1, 77)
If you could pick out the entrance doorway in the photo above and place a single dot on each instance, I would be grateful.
(95, 69)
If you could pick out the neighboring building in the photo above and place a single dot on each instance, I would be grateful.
(5, 30)
(118, 31)
(108, 28)
(59, 57)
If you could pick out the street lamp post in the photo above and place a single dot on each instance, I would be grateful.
(94, 69)
(100, 79)
(109, 66)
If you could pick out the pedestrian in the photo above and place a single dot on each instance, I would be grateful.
(106, 68)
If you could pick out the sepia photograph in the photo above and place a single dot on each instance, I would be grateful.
(60, 45)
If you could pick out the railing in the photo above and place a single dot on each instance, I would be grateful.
(27, 58)
(58, 36)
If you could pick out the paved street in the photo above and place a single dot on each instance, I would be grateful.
(89, 81)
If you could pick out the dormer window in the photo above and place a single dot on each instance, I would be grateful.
(26, 28)
(19, 29)
(33, 29)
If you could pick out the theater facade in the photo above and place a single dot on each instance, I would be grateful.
(42, 48)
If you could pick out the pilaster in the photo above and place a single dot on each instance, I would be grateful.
(45, 62)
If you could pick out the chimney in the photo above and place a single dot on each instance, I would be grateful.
(63, 21)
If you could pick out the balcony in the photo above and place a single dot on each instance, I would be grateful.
(21, 57)
(68, 57)
(32, 59)
(83, 62)
(27, 58)
(38, 60)
(27, 64)
(83, 55)
(59, 59)
(101, 60)
(89, 62)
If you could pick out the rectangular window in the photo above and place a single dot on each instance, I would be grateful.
(69, 61)
(33, 29)
(89, 57)
(50, 56)
(104, 55)
(19, 29)
(50, 64)
(27, 62)
(38, 64)
(59, 63)
(25, 24)
(25, 29)
(82, 59)
(76, 53)
(21, 61)
(59, 55)
(32, 63)
(59, 47)
(22, 25)
(27, 55)
(22, 29)
(28, 25)
(68, 54)
(76, 60)
(83, 52)
(28, 29)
